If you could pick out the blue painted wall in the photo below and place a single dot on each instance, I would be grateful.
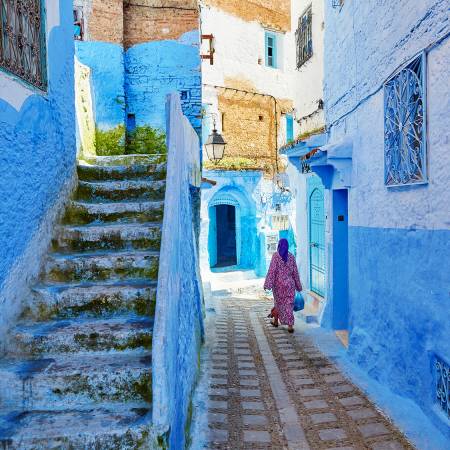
(154, 69)
(399, 303)
(106, 62)
(37, 147)
(243, 189)
(399, 239)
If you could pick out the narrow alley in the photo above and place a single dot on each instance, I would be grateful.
(266, 389)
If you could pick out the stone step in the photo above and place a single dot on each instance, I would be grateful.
(145, 236)
(83, 335)
(125, 160)
(88, 172)
(77, 381)
(92, 300)
(105, 428)
(101, 266)
(83, 213)
(113, 191)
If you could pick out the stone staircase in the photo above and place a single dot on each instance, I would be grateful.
(78, 372)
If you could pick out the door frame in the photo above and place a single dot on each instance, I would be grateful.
(314, 184)
(230, 202)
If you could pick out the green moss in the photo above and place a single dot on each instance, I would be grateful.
(110, 142)
(94, 342)
(188, 425)
(143, 387)
(237, 163)
(307, 134)
(146, 140)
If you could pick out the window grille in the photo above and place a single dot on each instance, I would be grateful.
(303, 37)
(337, 3)
(22, 40)
(271, 49)
(405, 125)
(443, 386)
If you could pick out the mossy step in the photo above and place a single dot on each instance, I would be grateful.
(145, 236)
(80, 380)
(82, 213)
(88, 172)
(105, 428)
(114, 191)
(124, 160)
(83, 335)
(103, 266)
(92, 300)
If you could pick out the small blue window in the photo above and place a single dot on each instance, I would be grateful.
(289, 128)
(271, 49)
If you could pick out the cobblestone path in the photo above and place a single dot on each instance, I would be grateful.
(272, 390)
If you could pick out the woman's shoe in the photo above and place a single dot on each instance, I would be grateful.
(291, 329)
(274, 324)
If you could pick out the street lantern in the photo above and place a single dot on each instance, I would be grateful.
(215, 146)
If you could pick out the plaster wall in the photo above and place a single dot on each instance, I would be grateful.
(154, 69)
(105, 61)
(272, 13)
(239, 63)
(398, 237)
(256, 200)
(155, 51)
(37, 137)
(308, 79)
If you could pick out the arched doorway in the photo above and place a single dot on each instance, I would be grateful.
(316, 209)
(232, 235)
(226, 235)
(225, 232)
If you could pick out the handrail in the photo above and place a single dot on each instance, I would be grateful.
(178, 328)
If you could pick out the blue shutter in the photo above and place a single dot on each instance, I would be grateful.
(271, 49)
(289, 128)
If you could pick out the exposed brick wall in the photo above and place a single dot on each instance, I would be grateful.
(249, 124)
(154, 20)
(106, 21)
(274, 14)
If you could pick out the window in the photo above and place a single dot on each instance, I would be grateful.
(289, 128)
(271, 49)
(78, 24)
(22, 40)
(405, 125)
(303, 37)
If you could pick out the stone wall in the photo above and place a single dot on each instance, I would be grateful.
(273, 14)
(240, 63)
(398, 237)
(157, 20)
(37, 138)
(138, 52)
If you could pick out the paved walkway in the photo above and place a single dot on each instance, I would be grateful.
(268, 389)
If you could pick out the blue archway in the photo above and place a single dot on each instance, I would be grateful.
(245, 227)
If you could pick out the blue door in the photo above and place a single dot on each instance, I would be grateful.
(316, 209)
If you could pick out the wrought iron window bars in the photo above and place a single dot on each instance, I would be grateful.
(303, 37)
(22, 40)
(443, 385)
(405, 125)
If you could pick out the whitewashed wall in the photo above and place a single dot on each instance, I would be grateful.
(240, 55)
(308, 80)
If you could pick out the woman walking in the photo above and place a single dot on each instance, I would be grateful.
(283, 279)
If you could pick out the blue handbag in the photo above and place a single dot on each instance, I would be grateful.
(299, 302)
